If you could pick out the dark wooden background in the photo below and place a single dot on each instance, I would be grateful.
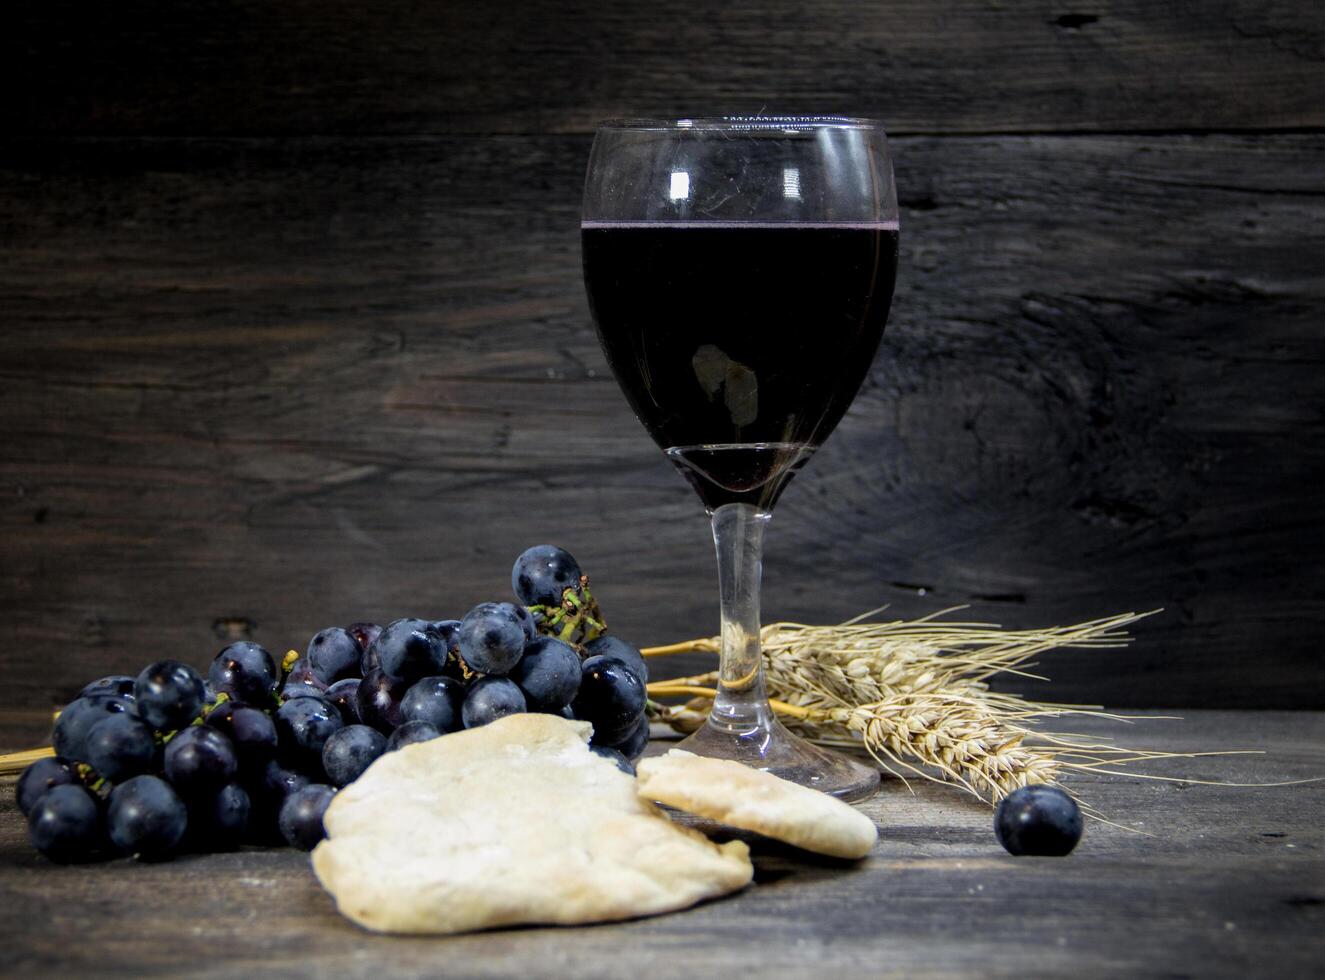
(294, 332)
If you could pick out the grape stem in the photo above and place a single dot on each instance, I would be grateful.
(689, 646)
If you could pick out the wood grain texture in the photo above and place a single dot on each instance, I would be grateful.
(254, 387)
(318, 67)
(1231, 883)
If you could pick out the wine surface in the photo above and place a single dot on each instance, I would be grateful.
(739, 346)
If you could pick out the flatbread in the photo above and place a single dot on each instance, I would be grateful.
(514, 822)
(751, 799)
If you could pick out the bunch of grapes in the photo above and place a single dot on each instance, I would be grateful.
(253, 753)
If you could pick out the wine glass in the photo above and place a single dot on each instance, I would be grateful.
(740, 271)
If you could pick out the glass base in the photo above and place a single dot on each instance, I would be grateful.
(778, 751)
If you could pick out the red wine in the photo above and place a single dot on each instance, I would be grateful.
(739, 346)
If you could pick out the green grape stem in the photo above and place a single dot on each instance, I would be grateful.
(577, 620)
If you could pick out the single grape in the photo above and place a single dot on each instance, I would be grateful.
(291, 691)
(302, 672)
(379, 698)
(449, 629)
(490, 698)
(250, 730)
(65, 824)
(614, 756)
(267, 790)
(634, 742)
(344, 695)
(303, 727)
(366, 634)
(350, 751)
(121, 684)
(301, 816)
(199, 760)
(1038, 820)
(168, 694)
(69, 737)
(334, 654)
(542, 574)
(40, 778)
(246, 672)
(411, 732)
(121, 746)
(409, 649)
(614, 646)
(491, 638)
(610, 696)
(548, 674)
(219, 821)
(436, 700)
(146, 817)
(524, 617)
(275, 783)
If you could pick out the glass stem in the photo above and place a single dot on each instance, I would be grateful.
(741, 705)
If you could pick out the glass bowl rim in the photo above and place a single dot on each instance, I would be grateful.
(758, 123)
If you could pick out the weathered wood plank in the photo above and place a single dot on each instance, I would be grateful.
(259, 387)
(315, 67)
(1232, 882)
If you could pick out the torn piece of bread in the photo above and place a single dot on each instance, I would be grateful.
(751, 799)
(511, 823)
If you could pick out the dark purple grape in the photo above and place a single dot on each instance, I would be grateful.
(615, 757)
(65, 824)
(548, 674)
(365, 634)
(436, 700)
(379, 698)
(291, 691)
(409, 649)
(344, 695)
(490, 698)
(121, 746)
(614, 646)
(611, 697)
(301, 816)
(250, 730)
(492, 638)
(276, 783)
(524, 617)
(303, 727)
(303, 672)
(350, 751)
(267, 791)
(121, 684)
(199, 760)
(334, 654)
(219, 821)
(449, 629)
(542, 574)
(634, 742)
(69, 737)
(41, 777)
(168, 694)
(412, 732)
(146, 817)
(1038, 820)
(246, 672)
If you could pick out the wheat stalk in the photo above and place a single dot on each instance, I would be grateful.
(915, 695)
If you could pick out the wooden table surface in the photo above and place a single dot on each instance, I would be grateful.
(1224, 881)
